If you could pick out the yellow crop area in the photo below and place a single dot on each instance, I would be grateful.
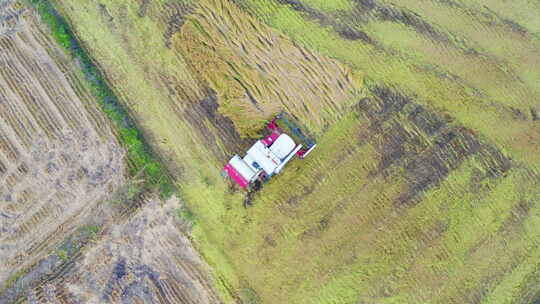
(425, 184)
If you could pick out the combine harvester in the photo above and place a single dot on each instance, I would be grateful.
(269, 155)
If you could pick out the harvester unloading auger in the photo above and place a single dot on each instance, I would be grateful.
(269, 155)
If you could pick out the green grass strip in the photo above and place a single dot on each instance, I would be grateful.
(141, 158)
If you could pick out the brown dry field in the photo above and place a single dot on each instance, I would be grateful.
(58, 157)
(61, 172)
(145, 258)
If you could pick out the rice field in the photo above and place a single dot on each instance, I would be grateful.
(425, 184)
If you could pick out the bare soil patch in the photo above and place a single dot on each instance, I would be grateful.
(146, 258)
